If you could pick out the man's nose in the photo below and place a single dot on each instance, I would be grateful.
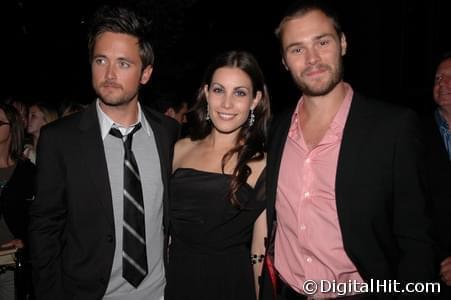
(312, 56)
(110, 72)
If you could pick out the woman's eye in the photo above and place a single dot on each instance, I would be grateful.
(240, 93)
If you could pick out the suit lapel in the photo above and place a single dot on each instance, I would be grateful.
(93, 153)
(355, 135)
(278, 137)
(435, 140)
(162, 143)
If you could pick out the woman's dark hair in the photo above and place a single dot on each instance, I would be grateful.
(16, 131)
(251, 141)
(122, 20)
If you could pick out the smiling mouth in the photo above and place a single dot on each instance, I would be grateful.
(226, 116)
(314, 73)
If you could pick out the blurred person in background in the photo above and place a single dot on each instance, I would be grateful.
(39, 115)
(171, 105)
(69, 105)
(21, 107)
(438, 167)
(17, 176)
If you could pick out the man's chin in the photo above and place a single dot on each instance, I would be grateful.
(318, 88)
(111, 102)
(317, 91)
(445, 104)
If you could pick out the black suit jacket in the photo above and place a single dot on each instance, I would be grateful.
(438, 179)
(72, 224)
(380, 201)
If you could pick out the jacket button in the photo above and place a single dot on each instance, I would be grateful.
(109, 238)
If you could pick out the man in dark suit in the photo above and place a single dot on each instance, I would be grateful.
(438, 168)
(97, 225)
(343, 177)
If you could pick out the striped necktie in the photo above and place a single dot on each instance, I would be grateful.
(134, 258)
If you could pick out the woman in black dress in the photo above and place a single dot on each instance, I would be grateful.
(218, 223)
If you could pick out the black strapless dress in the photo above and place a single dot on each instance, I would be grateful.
(209, 256)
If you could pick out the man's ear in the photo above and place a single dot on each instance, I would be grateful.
(343, 44)
(284, 64)
(145, 76)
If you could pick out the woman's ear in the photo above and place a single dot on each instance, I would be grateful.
(206, 91)
(257, 98)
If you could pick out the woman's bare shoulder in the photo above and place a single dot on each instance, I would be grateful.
(181, 149)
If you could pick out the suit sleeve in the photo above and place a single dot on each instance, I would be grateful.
(174, 131)
(47, 219)
(410, 223)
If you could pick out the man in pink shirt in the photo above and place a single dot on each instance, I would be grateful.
(345, 202)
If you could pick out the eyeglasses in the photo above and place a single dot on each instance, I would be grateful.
(4, 123)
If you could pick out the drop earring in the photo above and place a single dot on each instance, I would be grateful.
(207, 116)
(251, 118)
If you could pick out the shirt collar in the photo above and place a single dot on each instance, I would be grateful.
(441, 121)
(340, 118)
(106, 123)
(339, 121)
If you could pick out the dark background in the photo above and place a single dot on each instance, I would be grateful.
(393, 46)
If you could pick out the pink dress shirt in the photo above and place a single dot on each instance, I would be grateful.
(308, 243)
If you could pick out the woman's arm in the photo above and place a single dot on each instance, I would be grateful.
(258, 248)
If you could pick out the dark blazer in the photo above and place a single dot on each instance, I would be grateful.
(438, 179)
(380, 201)
(16, 197)
(72, 234)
